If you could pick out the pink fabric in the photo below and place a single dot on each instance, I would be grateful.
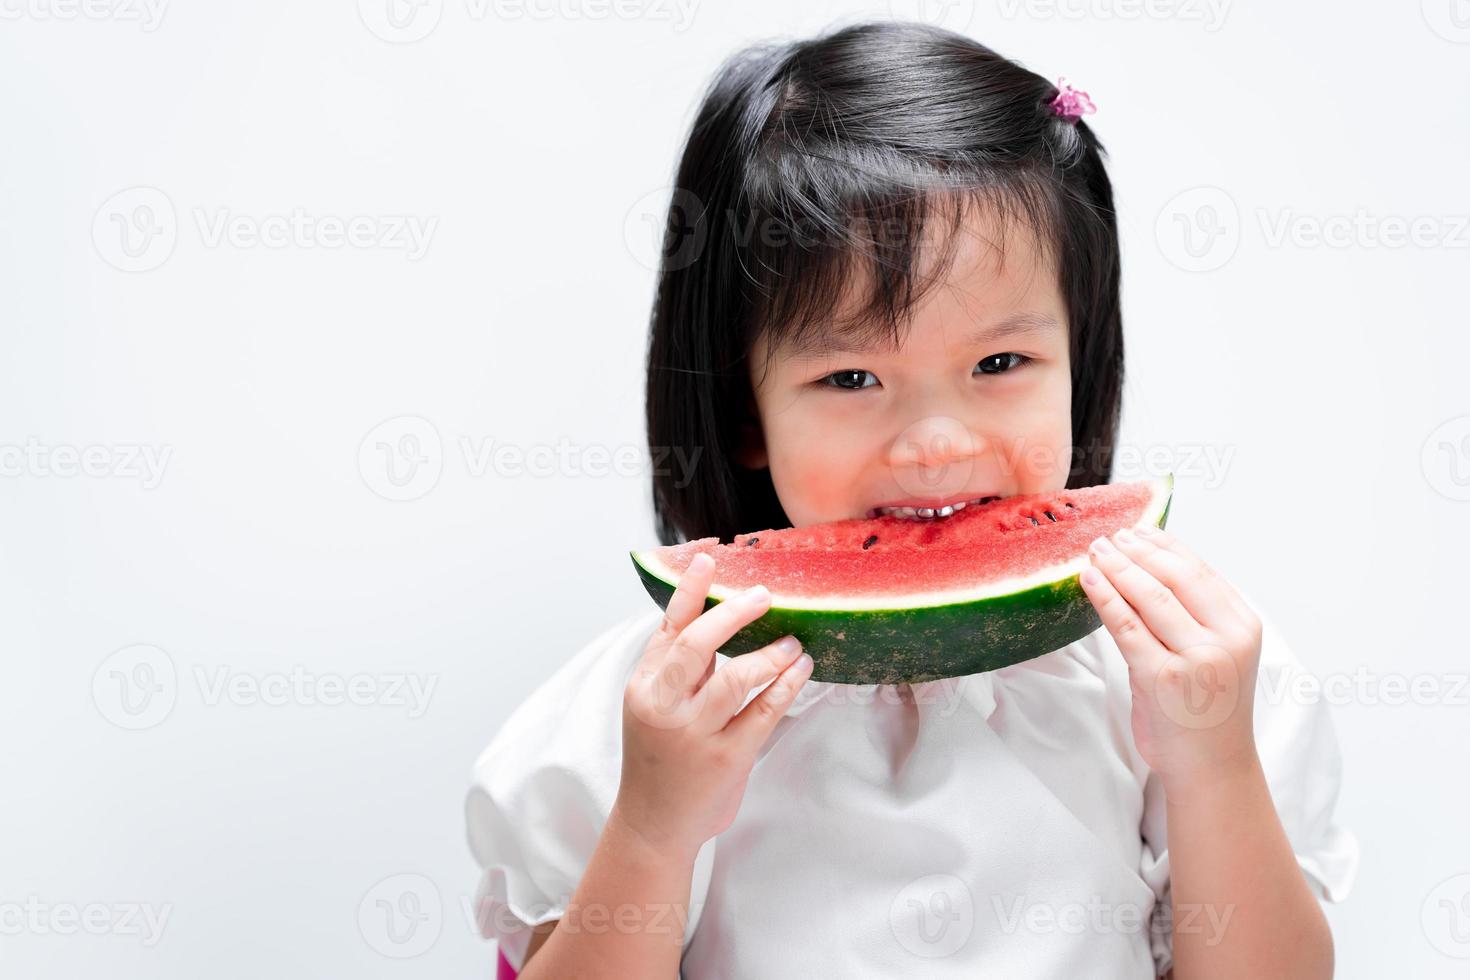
(503, 970)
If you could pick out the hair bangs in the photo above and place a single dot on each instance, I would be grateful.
(837, 264)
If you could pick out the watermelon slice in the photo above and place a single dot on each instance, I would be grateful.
(896, 601)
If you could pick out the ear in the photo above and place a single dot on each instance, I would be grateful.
(751, 453)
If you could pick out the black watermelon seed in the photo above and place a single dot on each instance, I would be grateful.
(1033, 520)
(870, 542)
(751, 542)
(1050, 516)
(1071, 505)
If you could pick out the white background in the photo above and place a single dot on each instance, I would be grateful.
(532, 141)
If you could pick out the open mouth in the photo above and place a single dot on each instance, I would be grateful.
(928, 513)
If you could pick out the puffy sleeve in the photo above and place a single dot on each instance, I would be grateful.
(542, 790)
(1303, 766)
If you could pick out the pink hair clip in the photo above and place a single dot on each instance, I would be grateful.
(1071, 103)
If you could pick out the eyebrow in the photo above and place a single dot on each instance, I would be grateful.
(1024, 322)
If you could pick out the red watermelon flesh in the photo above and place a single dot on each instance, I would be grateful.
(890, 557)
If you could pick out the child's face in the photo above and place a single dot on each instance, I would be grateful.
(946, 417)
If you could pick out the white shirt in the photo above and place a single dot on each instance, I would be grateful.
(996, 825)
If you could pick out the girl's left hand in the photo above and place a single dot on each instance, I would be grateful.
(1192, 646)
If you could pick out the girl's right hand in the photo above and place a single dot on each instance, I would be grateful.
(686, 752)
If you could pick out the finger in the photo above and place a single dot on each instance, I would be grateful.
(683, 606)
(687, 601)
(690, 655)
(1154, 601)
(729, 686)
(1199, 590)
(1140, 648)
(752, 727)
(1170, 542)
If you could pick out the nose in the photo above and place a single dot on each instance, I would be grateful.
(935, 455)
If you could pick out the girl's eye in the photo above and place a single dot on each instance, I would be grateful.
(991, 362)
(850, 379)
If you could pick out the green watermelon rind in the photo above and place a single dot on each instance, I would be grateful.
(929, 642)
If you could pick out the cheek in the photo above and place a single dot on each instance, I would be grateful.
(815, 472)
(1038, 443)
(818, 459)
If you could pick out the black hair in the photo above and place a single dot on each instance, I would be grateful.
(846, 144)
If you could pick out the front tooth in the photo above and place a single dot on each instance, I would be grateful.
(924, 513)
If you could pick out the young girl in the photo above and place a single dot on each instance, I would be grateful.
(891, 281)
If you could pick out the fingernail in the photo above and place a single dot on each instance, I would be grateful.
(804, 662)
(788, 645)
(1147, 530)
(757, 593)
(1103, 546)
(1126, 536)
